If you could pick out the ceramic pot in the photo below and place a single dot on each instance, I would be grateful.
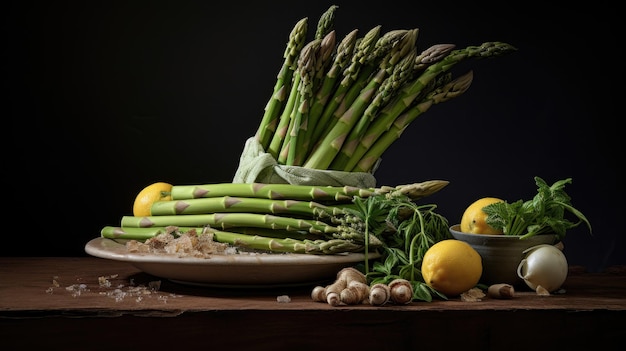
(501, 254)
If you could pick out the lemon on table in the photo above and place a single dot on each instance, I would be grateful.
(159, 191)
(474, 219)
(451, 267)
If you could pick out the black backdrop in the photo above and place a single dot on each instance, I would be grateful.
(106, 97)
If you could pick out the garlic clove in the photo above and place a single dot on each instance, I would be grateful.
(541, 291)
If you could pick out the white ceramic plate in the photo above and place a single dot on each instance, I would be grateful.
(250, 270)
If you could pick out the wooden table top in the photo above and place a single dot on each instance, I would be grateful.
(88, 285)
(80, 292)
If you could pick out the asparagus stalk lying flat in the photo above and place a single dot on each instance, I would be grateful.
(245, 204)
(142, 234)
(229, 220)
(342, 194)
(246, 241)
(258, 220)
(327, 247)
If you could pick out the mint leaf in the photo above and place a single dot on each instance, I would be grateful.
(545, 213)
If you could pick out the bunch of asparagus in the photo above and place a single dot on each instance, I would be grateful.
(271, 217)
(339, 106)
(335, 106)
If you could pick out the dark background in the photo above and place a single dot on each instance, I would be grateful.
(106, 97)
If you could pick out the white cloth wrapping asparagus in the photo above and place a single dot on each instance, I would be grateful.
(258, 166)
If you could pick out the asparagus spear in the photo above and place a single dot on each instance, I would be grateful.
(362, 51)
(142, 234)
(228, 220)
(280, 142)
(330, 145)
(432, 54)
(343, 194)
(416, 88)
(224, 204)
(251, 242)
(306, 66)
(320, 60)
(341, 59)
(445, 93)
(348, 228)
(382, 124)
(413, 191)
(356, 237)
(280, 135)
(272, 109)
(359, 75)
(408, 94)
(324, 58)
(276, 233)
(389, 48)
(386, 91)
(326, 22)
(327, 247)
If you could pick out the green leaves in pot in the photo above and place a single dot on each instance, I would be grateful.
(544, 214)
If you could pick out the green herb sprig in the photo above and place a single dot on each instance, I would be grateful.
(407, 231)
(544, 214)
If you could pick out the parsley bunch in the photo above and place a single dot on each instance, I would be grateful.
(544, 214)
(407, 230)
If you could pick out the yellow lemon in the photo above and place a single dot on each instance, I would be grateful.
(474, 219)
(159, 191)
(451, 267)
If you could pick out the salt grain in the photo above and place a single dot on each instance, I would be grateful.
(119, 293)
(187, 244)
(472, 295)
(77, 289)
(283, 299)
